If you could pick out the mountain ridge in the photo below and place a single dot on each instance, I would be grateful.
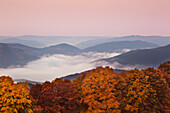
(159, 40)
(119, 45)
(145, 57)
(14, 54)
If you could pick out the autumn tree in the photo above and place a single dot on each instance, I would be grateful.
(142, 91)
(56, 96)
(35, 91)
(14, 98)
(97, 89)
(165, 68)
(34, 95)
(24, 85)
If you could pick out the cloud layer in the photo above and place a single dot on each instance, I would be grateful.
(51, 67)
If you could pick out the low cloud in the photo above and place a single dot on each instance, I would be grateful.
(51, 67)
(117, 65)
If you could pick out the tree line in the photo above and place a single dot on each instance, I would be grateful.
(100, 90)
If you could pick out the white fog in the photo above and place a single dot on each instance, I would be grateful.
(51, 67)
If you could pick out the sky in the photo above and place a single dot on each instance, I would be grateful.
(84, 17)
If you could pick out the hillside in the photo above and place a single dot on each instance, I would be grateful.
(63, 48)
(16, 54)
(145, 57)
(74, 76)
(120, 45)
(12, 54)
(32, 43)
(159, 40)
(44, 41)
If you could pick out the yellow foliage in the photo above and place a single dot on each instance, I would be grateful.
(97, 89)
(13, 97)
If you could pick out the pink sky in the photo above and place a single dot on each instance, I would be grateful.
(85, 17)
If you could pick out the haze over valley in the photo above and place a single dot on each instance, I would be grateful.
(42, 63)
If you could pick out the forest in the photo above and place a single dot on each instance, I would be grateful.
(100, 90)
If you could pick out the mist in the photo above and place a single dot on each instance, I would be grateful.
(51, 67)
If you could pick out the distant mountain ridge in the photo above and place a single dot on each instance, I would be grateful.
(29, 81)
(44, 41)
(145, 57)
(16, 54)
(159, 40)
(79, 41)
(120, 45)
(20, 55)
(27, 42)
(61, 49)
(13, 54)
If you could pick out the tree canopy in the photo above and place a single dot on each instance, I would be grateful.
(56, 96)
(100, 90)
(14, 98)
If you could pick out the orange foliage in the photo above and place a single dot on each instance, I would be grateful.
(140, 91)
(13, 97)
(56, 96)
(97, 89)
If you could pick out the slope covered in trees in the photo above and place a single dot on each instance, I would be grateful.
(133, 91)
(143, 57)
(119, 46)
(100, 90)
(14, 54)
(56, 96)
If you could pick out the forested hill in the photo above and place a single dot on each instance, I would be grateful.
(120, 45)
(12, 54)
(146, 57)
(100, 90)
(74, 76)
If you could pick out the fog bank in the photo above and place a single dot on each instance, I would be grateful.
(51, 67)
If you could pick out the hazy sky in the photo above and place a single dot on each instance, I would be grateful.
(84, 17)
